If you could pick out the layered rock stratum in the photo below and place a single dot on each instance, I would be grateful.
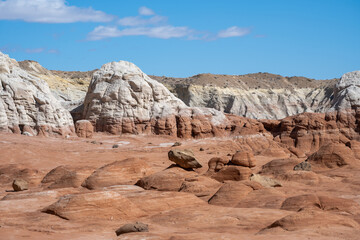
(68, 87)
(264, 95)
(27, 104)
(123, 99)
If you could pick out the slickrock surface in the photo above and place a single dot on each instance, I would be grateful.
(27, 105)
(174, 202)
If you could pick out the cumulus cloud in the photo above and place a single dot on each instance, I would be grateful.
(163, 32)
(49, 11)
(146, 11)
(233, 32)
(149, 24)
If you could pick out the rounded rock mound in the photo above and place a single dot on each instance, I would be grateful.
(123, 99)
(27, 104)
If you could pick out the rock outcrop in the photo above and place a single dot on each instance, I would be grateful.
(267, 96)
(84, 128)
(123, 99)
(69, 88)
(27, 105)
(184, 158)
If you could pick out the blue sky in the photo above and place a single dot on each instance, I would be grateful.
(313, 38)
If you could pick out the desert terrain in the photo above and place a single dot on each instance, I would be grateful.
(114, 154)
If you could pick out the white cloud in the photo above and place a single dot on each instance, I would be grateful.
(146, 11)
(233, 32)
(163, 32)
(139, 21)
(49, 11)
(147, 23)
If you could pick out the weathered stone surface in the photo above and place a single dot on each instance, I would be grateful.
(203, 187)
(132, 227)
(303, 166)
(269, 96)
(325, 203)
(123, 172)
(69, 88)
(332, 156)
(346, 92)
(184, 158)
(169, 179)
(217, 163)
(230, 194)
(107, 205)
(233, 173)
(308, 132)
(310, 218)
(27, 105)
(20, 185)
(84, 128)
(244, 159)
(123, 99)
(265, 181)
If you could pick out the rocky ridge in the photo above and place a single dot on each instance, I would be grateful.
(259, 96)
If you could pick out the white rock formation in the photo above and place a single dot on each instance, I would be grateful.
(26, 103)
(121, 96)
(69, 92)
(259, 103)
(122, 90)
(274, 102)
(347, 92)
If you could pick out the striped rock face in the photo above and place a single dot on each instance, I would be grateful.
(123, 99)
(27, 105)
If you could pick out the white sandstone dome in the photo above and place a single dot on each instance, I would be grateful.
(121, 90)
(123, 99)
(26, 103)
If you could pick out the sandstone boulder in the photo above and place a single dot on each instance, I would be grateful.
(202, 187)
(20, 185)
(262, 198)
(184, 158)
(278, 166)
(244, 159)
(265, 181)
(106, 205)
(132, 227)
(217, 163)
(305, 177)
(311, 218)
(232, 173)
(332, 156)
(9, 172)
(170, 179)
(84, 128)
(325, 203)
(123, 172)
(230, 194)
